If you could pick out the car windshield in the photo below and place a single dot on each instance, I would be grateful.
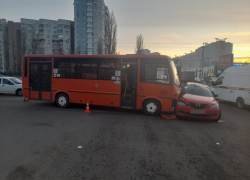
(16, 81)
(198, 90)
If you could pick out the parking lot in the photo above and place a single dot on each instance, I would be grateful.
(40, 141)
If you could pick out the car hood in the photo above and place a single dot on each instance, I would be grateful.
(189, 98)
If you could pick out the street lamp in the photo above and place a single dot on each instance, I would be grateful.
(202, 59)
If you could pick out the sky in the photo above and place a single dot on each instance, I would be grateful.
(171, 27)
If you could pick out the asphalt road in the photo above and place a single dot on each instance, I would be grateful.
(40, 141)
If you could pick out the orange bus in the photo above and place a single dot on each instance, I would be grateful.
(136, 82)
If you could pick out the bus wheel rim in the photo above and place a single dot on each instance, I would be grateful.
(62, 101)
(151, 107)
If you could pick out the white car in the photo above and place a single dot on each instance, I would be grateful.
(11, 85)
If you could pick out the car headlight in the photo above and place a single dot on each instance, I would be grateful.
(214, 106)
(181, 103)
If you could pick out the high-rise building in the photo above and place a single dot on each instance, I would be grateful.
(45, 36)
(3, 44)
(89, 25)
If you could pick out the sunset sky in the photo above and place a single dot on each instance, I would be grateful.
(171, 27)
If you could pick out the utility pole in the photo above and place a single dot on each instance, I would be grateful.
(202, 59)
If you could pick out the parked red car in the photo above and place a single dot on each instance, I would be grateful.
(197, 102)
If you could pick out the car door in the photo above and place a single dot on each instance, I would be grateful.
(7, 86)
(218, 89)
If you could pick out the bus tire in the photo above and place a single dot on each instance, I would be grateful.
(62, 100)
(240, 103)
(151, 107)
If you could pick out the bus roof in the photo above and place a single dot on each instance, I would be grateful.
(97, 56)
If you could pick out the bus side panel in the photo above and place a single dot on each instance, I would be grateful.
(46, 95)
(155, 91)
(34, 94)
(98, 92)
(167, 104)
(25, 79)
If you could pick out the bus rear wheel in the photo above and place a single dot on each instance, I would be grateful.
(62, 100)
(151, 107)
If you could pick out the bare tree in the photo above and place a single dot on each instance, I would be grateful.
(78, 50)
(110, 34)
(60, 48)
(14, 58)
(100, 46)
(139, 44)
(34, 41)
(6, 55)
(24, 43)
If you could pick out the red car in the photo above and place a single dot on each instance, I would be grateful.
(197, 102)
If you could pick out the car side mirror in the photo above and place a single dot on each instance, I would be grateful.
(183, 91)
(215, 95)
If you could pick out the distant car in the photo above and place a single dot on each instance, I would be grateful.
(197, 102)
(2, 75)
(11, 85)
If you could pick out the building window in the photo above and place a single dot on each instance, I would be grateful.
(48, 31)
(67, 32)
(60, 25)
(60, 30)
(48, 36)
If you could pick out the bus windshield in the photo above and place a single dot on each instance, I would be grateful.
(175, 74)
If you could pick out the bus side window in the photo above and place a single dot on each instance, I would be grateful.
(154, 73)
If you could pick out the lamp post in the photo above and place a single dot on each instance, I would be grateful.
(202, 59)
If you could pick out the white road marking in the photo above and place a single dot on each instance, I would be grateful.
(221, 121)
(79, 147)
(218, 144)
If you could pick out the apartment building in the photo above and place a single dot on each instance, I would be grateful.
(46, 36)
(3, 42)
(89, 17)
(212, 53)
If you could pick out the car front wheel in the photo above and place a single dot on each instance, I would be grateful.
(19, 92)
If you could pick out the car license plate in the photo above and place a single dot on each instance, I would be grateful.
(197, 111)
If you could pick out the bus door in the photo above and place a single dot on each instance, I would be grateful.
(40, 81)
(129, 85)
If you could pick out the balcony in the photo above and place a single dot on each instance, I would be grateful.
(89, 20)
(89, 30)
(89, 4)
(90, 14)
(89, 25)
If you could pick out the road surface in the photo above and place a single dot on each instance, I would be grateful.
(40, 141)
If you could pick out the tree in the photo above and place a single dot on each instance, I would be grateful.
(100, 46)
(6, 55)
(139, 44)
(34, 41)
(24, 43)
(14, 58)
(60, 48)
(110, 34)
(78, 50)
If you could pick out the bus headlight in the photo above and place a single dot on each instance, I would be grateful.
(181, 103)
(214, 106)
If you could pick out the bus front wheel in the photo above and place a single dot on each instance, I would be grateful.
(62, 100)
(151, 107)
